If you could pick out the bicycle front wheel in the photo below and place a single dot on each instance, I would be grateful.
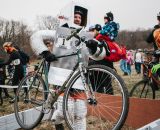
(108, 110)
(30, 97)
(143, 89)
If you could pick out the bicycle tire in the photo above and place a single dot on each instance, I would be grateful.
(143, 89)
(98, 111)
(31, 98)
(9, 82)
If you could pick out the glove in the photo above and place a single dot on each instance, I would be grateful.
(49, 56)
(156, 53)
(92, 45)
(106, 46)
(155, 68)
(1, 65)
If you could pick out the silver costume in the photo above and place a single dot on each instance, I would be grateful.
(77, 107)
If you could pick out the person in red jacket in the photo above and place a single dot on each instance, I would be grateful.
(108, 33)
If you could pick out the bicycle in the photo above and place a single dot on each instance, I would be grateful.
(146, 87)
(101, 114)
(8, 81)
(10, 72)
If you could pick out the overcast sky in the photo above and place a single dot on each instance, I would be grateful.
(130, 14)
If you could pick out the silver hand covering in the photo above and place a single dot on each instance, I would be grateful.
(37, 38)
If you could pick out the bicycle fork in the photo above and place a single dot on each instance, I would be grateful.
(87, 85)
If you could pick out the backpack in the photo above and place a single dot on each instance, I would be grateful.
(25, 57)
(117, 52)
(156, 35)
(2, 74)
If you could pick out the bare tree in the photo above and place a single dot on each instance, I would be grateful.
(47, 22)
(19, 34)
(134, 39)
(16, 32)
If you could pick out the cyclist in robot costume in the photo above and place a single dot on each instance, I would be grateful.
(79, 18)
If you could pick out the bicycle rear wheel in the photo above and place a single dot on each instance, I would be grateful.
(107, 111)
(143, 89)
(30, 97)
(9, 82)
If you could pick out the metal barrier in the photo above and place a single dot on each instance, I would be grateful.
(151, 126)
(9, 122)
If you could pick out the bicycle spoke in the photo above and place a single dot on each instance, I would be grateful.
(107, 110)
(143, 89)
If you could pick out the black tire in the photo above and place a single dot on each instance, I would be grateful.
(30, 95)
(9, 82)
(1, 99)
(98, 115)
(143, 89)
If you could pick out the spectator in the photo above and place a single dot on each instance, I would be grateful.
(138, 61)
(25, 59)
(110, 29)
(129, 61)
(16, 60)
(154, 38)
(95, 29)
(107, 33)
(123, 66)
(150, 38)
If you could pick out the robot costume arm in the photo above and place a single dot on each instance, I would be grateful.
(37, 38)
(97, 50)
(156, 53)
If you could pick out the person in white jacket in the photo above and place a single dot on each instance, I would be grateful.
(78, 107)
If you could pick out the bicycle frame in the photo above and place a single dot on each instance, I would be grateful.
(149, 75)
(44, 68)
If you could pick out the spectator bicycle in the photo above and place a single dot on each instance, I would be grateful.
(105, 110)
(146, 88)
(6, 94)
(10, 72)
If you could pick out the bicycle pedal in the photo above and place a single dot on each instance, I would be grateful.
(46, 111)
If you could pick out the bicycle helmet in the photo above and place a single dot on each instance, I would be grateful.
(91, 28)
(109, 16)
(96, 27)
